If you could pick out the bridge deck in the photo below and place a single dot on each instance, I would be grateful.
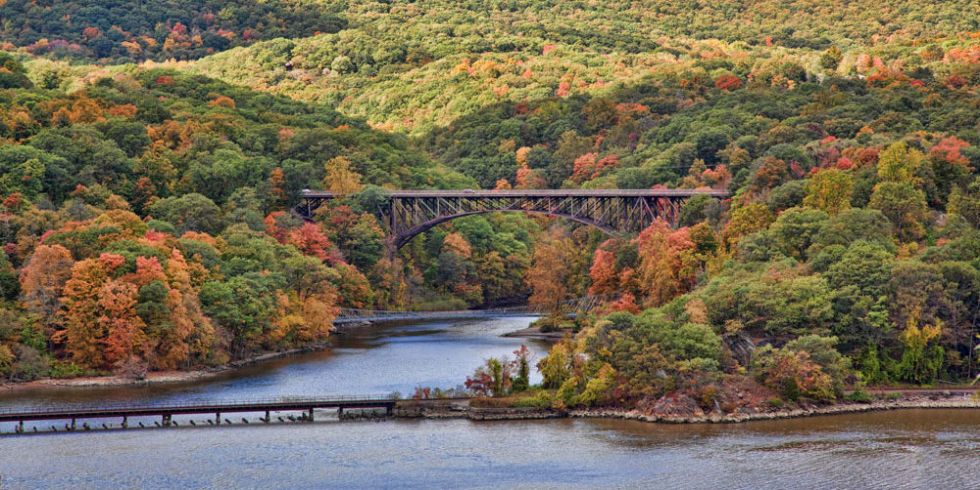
(278, 405)
(354, 316)
(482, 193)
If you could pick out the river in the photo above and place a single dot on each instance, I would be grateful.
(900, 449)
(362, 361)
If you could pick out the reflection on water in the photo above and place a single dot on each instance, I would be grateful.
(362, 360)
(901, 449)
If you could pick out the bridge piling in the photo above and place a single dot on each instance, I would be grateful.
(295, 409)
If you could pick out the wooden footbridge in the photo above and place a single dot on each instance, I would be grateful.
(71, 415)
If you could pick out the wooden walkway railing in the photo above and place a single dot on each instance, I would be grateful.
(73, 413)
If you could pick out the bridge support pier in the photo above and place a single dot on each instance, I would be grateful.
(125, 422)
(267, 418)
(311, 415)
(217, 418)
(73, 423)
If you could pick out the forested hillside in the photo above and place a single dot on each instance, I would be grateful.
(145, 224)
(413, 66)
(847, 133)
(114, 30)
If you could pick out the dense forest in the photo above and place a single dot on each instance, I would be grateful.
(146, 207)
(119, 30)
(145, 225)
(411, 66)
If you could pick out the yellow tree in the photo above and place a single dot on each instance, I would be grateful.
(341, 179)
(923, 356)
(191, 325)
(746, 220)
(550, 273)
(898, 163)
(829, 190)
(83, 331)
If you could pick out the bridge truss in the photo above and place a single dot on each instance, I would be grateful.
(354, 315)
(615, 211)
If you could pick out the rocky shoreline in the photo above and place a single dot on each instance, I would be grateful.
(456, 409)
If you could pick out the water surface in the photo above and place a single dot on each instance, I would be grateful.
(362, 360)
(902, 449)
(907, 449)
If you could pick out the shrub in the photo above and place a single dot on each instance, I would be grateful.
(859, 396)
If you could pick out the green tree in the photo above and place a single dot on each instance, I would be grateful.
(794, 230)
(904, 205)
(190, 212)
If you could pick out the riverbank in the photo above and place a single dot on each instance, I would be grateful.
(456, 409)
(158, 377)
(351, 333)
(533, 332)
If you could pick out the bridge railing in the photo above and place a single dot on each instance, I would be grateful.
(586, 303)
(190, 404)
(357, 311)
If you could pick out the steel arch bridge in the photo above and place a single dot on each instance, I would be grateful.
(408, 213)
(349, 316)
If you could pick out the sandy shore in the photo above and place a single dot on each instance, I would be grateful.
(156, 377)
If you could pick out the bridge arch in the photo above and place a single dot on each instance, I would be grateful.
(403, 238)
(406, 214)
